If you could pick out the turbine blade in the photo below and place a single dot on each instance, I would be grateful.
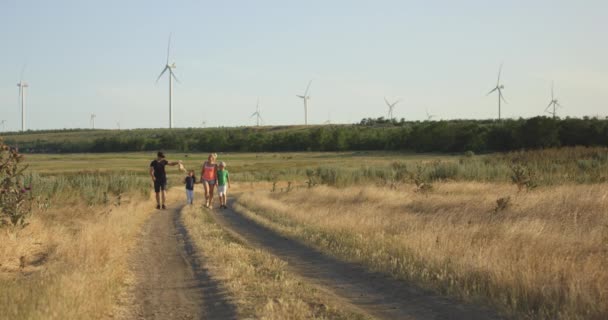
(301, 97)
(552, 95)
(501, 96)
(307, 88)
(499, 73)
(168, 48)
(161, 74)
(492, 91)
(174, 77)
(387, 103)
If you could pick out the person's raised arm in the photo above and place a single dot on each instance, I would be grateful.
(174, 163)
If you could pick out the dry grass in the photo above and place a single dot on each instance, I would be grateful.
(69, 263)
(543, 255)
(261, 286)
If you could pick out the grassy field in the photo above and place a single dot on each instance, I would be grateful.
(526, 231)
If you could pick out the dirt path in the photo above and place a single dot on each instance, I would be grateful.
(375, 294)
(172, 283)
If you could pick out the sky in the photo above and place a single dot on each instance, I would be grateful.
(103, 57)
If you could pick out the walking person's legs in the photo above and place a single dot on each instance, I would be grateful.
(211, 187)
(206, 187)
(190, 196)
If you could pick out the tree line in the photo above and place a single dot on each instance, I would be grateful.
(449, 136)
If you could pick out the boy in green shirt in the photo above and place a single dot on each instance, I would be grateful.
(223, 184)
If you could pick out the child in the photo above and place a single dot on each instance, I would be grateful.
(189, 182)
(223, 183)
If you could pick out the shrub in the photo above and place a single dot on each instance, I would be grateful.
(15, 199)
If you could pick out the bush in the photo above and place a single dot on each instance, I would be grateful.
(15, 200)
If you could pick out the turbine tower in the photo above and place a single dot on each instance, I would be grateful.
(554, 103)
(257, 114)
(391, 107)
(499, 87)
(172, 76)
(22, 87)
(305, 98)
(92, 120)
(2, 123)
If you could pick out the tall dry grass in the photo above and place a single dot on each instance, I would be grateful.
(543, 254)
(70, 262)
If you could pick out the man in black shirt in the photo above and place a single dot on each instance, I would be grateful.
(159, 176)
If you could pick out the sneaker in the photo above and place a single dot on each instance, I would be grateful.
(164, 207)
(158, 206)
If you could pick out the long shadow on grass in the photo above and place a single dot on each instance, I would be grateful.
(375, 293)
(217, 304)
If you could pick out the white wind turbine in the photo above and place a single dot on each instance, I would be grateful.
(257, 114)
(172, 76)
(22, 87)
(2, 123)
(92, 120)
(554, 103)
(429, 116)
(203, 124)
(499, 87)
(305, 98)
(391, 107)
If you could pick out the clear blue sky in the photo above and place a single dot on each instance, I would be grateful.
(104, 57)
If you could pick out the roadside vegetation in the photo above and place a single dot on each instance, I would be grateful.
(525, 231)
(64, 244)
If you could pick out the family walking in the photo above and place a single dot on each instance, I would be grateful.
(212, 174)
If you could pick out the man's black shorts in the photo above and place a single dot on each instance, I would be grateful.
(160, 185)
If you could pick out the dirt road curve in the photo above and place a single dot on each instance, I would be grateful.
(172, 283)
(375, 294)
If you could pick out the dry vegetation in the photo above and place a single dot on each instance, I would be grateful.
(259, 282)
(542, 254)
(70, 262)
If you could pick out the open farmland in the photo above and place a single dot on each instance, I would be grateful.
(519, 235)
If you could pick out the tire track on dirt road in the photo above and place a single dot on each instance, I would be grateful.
(171, 280)
(377, 294)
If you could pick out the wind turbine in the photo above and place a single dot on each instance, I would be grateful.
(172, 76)
(328, 118)
(22, 87)
(118, 125)
(429, 116)
(92, 120)
(203, 124)
(305, 98)
(554, 103)
(499, 87)
(391, 107)
(257, 113)
(2, 123)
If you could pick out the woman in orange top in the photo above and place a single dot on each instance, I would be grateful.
(209, 179)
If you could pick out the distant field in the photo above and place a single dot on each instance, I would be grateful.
(53, 164)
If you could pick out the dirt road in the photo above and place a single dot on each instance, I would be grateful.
(375, 294)
(171, 280)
